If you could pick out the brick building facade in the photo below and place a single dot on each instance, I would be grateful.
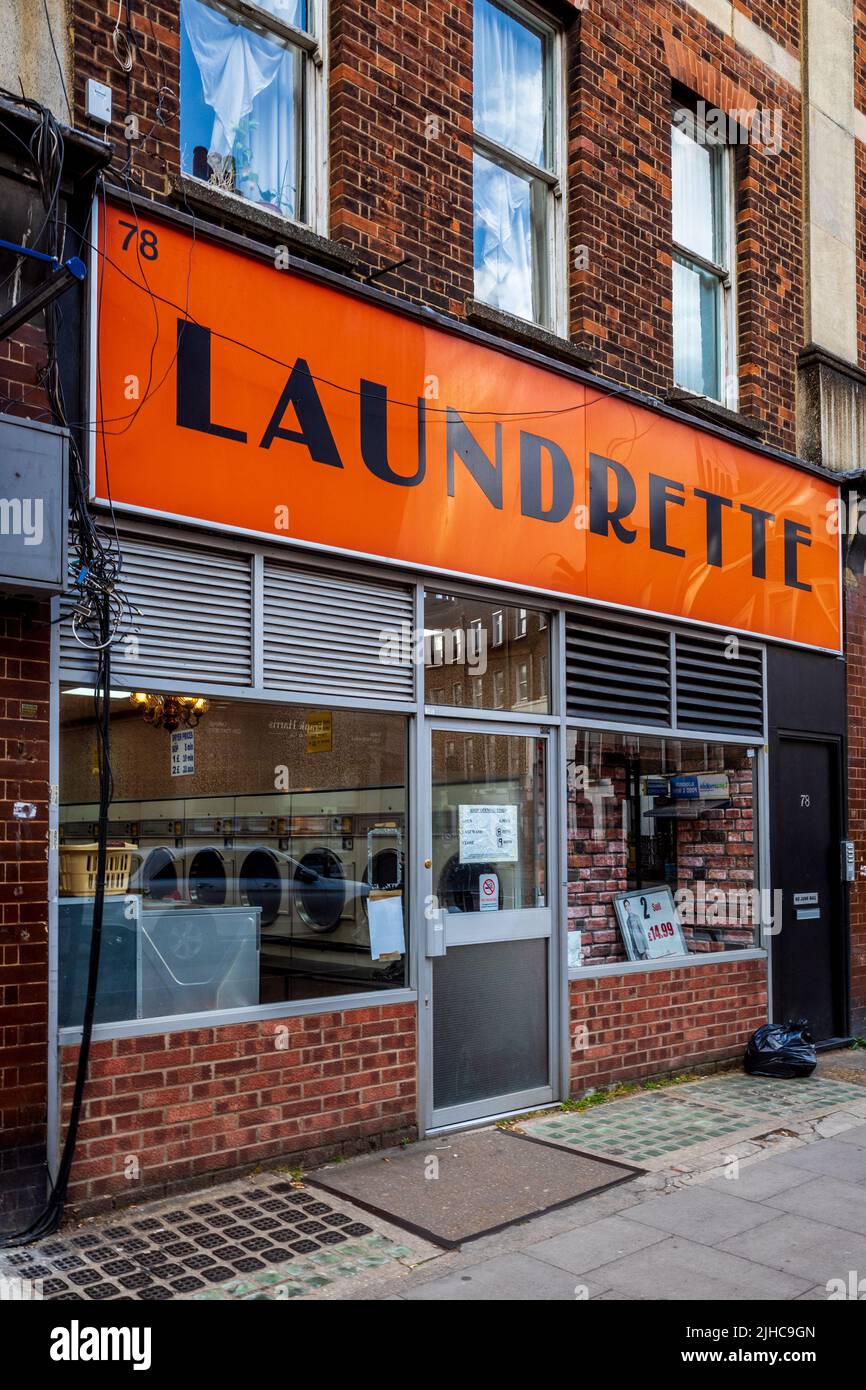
(394, 207)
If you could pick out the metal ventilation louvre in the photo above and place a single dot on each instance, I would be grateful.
(329, 635)
(617, 671)
(193, 621)
(719, 693)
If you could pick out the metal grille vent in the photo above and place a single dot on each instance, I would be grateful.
(617, 671)
(720, 684)
(193, 624)
(327, 635)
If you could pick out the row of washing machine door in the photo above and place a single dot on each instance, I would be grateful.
(313, 892)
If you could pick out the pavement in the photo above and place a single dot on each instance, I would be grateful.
(773, 1210)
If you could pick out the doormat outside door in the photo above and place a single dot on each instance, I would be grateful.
(453, 1188)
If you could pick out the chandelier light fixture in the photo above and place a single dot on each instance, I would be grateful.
(169, 711)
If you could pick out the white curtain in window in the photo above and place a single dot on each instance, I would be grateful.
(508, 82)
(503, 239)
(249, 83)
(693, 202)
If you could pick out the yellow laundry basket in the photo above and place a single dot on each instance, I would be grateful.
(78, 869)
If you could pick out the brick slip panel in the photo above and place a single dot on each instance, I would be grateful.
(181, 1109)
(630, 1027)
(24, 694)
(716, 849)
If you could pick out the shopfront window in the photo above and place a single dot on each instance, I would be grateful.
(485, 655)
(650, 812)
(255, 858)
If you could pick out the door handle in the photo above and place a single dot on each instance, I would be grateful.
(435, 944)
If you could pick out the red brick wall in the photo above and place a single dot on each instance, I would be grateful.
(23, 906)
(620, 190)
(190, 1106)
(401, 166)
(632, 1026)
(401, 126)
(20, 359)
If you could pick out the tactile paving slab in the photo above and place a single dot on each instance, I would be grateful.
(766, 1095)
(647, 1128)
(274, 1235)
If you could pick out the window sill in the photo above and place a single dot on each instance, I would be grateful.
(228, 1018)
(645, 967)
(241, 215)
(714, 411)
(526, 334)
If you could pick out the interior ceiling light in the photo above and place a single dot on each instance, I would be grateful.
(169, 711)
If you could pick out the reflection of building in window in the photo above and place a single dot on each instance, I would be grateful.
(522, 684)
(478, 643)
(253, 870)
(638, 816)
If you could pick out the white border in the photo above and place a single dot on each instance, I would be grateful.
(420, 568)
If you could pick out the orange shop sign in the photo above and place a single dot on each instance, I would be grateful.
(251, 398)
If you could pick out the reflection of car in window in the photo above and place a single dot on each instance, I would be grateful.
(159, 875)
(207, 878)
(320, 889)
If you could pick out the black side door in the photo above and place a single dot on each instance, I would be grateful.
(808, 953)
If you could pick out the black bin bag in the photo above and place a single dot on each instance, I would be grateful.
(779, 1049)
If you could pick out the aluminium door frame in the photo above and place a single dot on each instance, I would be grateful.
(459, 1116)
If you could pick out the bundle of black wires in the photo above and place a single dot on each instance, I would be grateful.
(98, 610)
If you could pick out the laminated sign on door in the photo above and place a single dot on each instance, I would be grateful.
(488, 834)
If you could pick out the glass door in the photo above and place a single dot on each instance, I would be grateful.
(487, 986)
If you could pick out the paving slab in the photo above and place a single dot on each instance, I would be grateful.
(702, 1214)
(828, 1200)
(833, 1157)
(856, 1135)
(800, 1247)
(758, 1181)
(584, 1249)
(764, 1095)
(649, 1131)
(516, 1277)
(679, 1269)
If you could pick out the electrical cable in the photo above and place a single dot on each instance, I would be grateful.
(486, 415)
(124, 48)
(100, 610)
(57, 59)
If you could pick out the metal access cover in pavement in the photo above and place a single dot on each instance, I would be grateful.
(258, 1237)
(653, 1128)
(451, 1189)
